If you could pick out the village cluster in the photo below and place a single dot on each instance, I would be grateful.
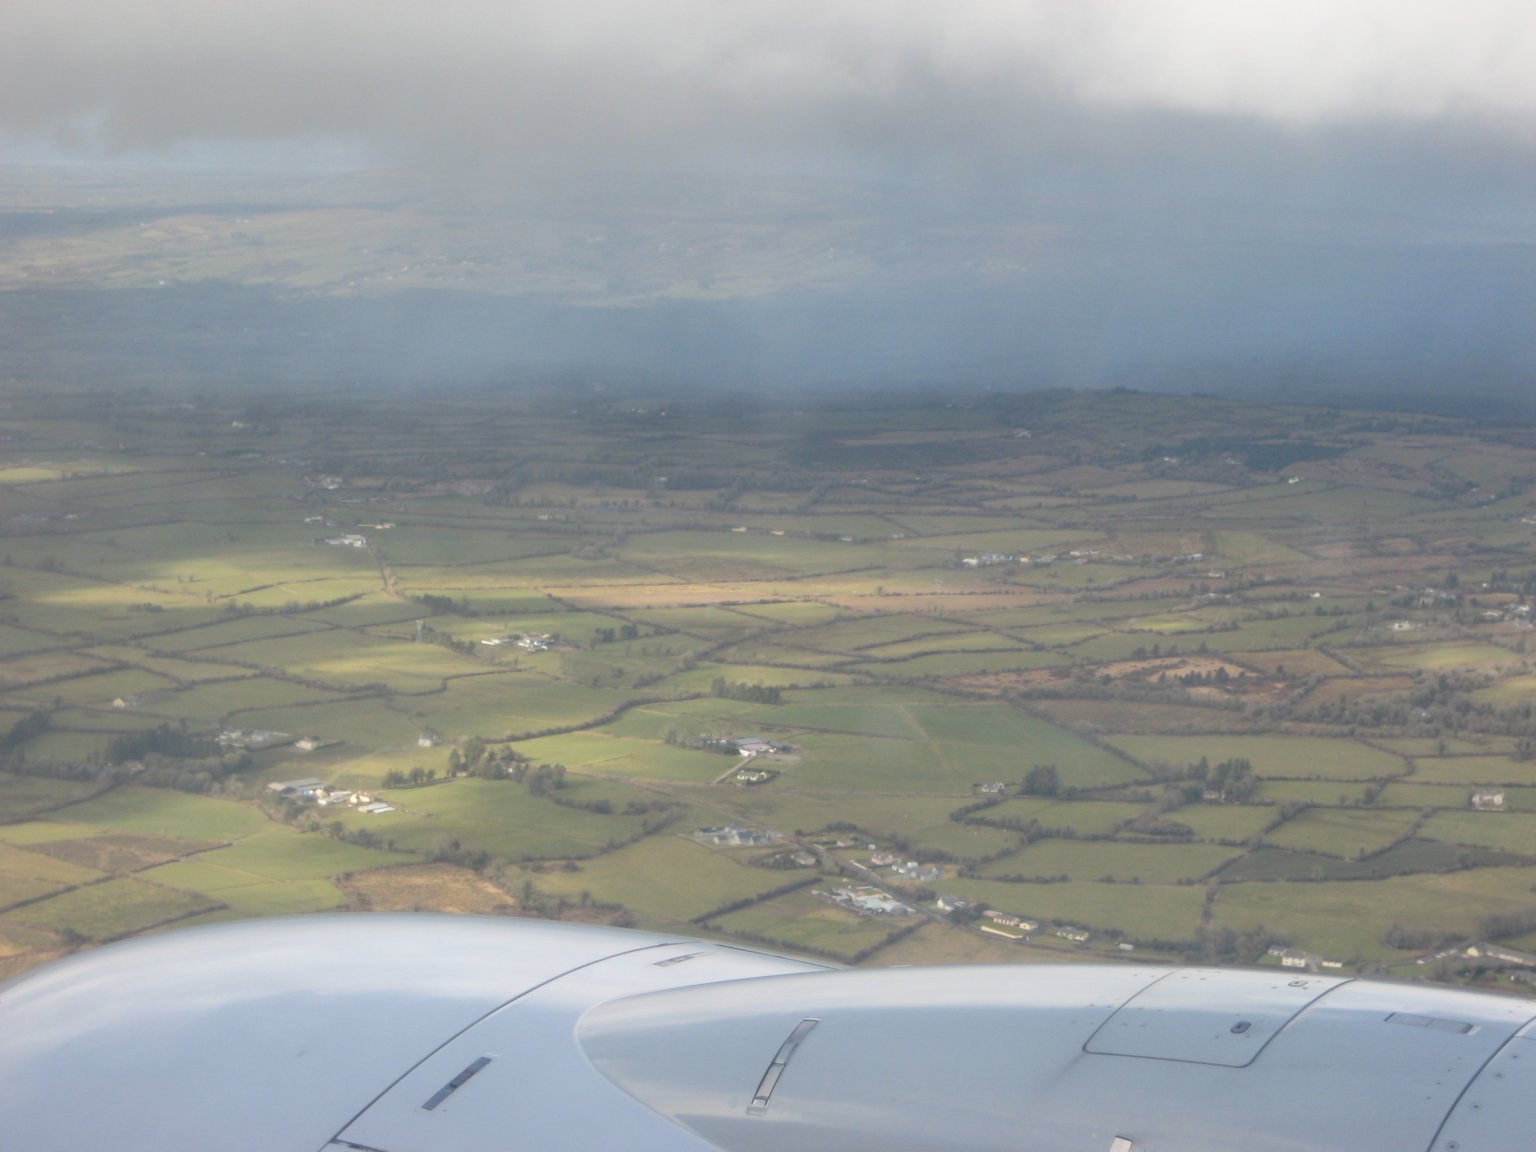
(313, 791)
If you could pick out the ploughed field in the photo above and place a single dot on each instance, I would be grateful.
(1049, 676)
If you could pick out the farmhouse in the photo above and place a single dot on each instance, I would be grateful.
(871, 902)
(1488, 801)
(754, 745)
(1076, 935)
(990, 788)
(921, 873)
(307, 788)
(1498, 954)
(256, 739)
(734, 836)
(753, 776)
(1007, 921)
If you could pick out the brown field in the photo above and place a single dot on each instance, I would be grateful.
(426, 887)
(121, 852)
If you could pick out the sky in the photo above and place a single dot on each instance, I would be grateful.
(668, 79)
(1372, 155)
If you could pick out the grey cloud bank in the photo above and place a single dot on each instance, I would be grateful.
(679, 73)
(1326, 187)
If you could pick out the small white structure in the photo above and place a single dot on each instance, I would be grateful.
(919, 872)
(307, 788)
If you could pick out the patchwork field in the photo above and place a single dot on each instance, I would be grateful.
(1116, 676)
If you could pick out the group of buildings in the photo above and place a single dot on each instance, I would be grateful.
(735, 836)
(527, 641)
(322, 795)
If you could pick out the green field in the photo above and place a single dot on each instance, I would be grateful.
(800, 920)
(1509, 831)
(1272, 757)
(499, 817)
(1349, 919)
(1224, 821)
(111, 909)
(665, 879)
(1443, 656)
(26, 797)
(163, 813)
(1341, 831)
(1142, 911)
(1124, 863)
(1176, 606)
(1474, 770)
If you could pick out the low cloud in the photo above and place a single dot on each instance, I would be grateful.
(548, 79)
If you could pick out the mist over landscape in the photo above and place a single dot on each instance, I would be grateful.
(1265, 199)
(1016, 481)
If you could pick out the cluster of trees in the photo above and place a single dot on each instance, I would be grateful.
(415, 778)
(445, 605)
(479, 758)
(191, 775)
(430, 635)
(609, 635)
(1233, 779)
(749, 693)
(543, 780)
(1220, 676)
(1041, 780)
(169, 740)
(30, 725)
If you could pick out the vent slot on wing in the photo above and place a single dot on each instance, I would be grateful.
(455, 1084)
(780, 1061)
(671, 960)
(1433, 1023)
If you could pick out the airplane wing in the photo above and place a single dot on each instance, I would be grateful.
(458, 1034)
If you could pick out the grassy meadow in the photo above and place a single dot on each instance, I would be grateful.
(1120, 675)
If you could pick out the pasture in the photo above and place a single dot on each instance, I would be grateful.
(1272, 757)
(112, 908)
(1113, 861)
(664, 880)
(800, 920)
(193, 589)
(1508, 831)
(1349, 919)
(1474, 771)
(1341, 831)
